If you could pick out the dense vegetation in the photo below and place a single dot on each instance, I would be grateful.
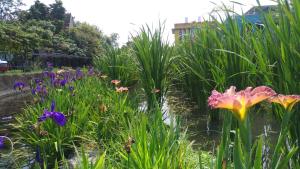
(98, 111)
(48, 29)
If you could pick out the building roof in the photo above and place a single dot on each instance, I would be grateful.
(258, 9)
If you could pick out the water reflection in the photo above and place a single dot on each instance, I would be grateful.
(206, 135)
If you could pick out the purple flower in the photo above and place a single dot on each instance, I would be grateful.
(57, 117)
(2, 139)
(71, 88)
(40, 90)
(38, 155)
(49, 65)
(19, 86)
(79, 74)
(51, 75)
(38, 81)
(63, 82)
(90, 71)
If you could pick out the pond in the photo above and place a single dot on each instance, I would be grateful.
(206, 135)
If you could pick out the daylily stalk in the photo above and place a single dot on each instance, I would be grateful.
(239, 103)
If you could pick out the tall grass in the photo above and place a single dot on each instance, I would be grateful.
(228, 53)
(118, 63)
(154, 59)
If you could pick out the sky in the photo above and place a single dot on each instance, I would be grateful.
(127, 16)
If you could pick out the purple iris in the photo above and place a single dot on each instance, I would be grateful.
(51, 75)
(71, 88)
(63, 82)
(59, 82)
(38, 81)
(40, 90)
(2, 142)
(38, 155)
(19, 85)
(79, 74)
(57, 117)
(49, 65)
(90, 71)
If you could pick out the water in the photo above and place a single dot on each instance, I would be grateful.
(10, 105)
(206, 135)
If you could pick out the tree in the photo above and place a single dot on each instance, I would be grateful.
(9, 9)
(112, 40)
(89, 38)
(38, 11)
(57, 11)
(57, 15)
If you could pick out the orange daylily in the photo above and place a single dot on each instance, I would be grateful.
(115, 82)
(239, 102)
(287, 101)
(121, 89)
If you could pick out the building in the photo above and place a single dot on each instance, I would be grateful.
(254, 16)
(69, 21)
(181, 30)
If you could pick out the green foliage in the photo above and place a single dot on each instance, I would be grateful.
(87, 37)
(100, 119)
(157, 145)
(57, 10)
(118, 64)
(154, 59)
(38, 11)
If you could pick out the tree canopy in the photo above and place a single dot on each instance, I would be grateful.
(9, 9)
(44, 28)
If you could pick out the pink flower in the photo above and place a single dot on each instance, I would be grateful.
(155, 90)
(116, 82)
(287, 101)
(121, 89)
(239, 102)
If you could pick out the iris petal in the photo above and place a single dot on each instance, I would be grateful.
(52, 106)
(59, 118)
(1, 142)
(45, 115)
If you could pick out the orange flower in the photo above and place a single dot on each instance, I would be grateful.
(239, 102)
(287, 101)
(116, 82)
(121, 89)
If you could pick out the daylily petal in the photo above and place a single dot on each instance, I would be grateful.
(115, 82)
(121, 89)
(260, 93)
(239, 102)
(287, 101)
